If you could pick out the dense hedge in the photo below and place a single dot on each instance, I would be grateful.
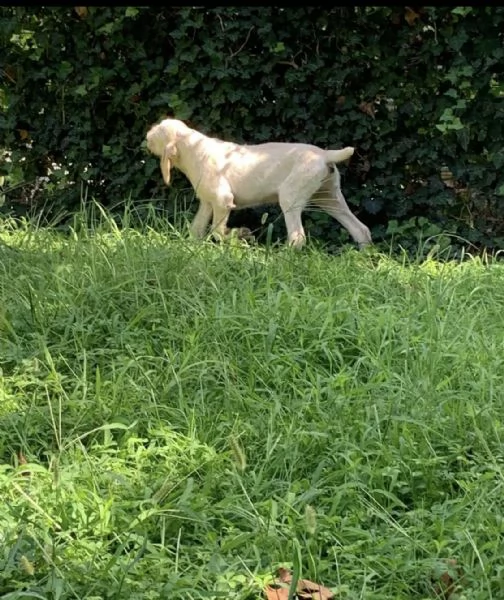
(418, 91)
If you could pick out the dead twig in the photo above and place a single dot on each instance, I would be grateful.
(9, 77)
(291, 63)
(233, 54)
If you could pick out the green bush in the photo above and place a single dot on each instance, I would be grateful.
(418, 92)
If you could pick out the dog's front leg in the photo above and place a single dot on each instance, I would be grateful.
(219, 221)
(201, 220)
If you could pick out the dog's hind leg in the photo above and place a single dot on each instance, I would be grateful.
(333, 202)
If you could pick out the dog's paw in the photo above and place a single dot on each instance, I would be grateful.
(244, 232)
(297, 240)
(367, 246)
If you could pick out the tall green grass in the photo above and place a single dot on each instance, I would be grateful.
(194, 415)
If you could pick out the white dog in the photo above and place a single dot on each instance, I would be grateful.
(226, 175)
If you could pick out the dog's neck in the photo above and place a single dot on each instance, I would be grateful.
(184, 161)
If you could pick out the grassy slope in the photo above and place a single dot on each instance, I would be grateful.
(194, 416)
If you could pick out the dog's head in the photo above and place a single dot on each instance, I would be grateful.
(162, 141)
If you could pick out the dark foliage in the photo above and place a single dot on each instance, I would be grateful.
(418, 92)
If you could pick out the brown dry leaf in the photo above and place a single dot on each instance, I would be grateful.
(284, 575)
(365, 167)
(10, 73)
(447, 177)
(464, 193)
(273, 593)
(367, 108)
(23, 134)
(81, 11)
(305, 589)
(22, 461)
(411, 16)
(448, 580)
(340, 100)
(410, 189)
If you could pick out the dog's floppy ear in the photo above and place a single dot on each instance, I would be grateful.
(170, 150)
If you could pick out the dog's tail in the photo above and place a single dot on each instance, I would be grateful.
(337, 156)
